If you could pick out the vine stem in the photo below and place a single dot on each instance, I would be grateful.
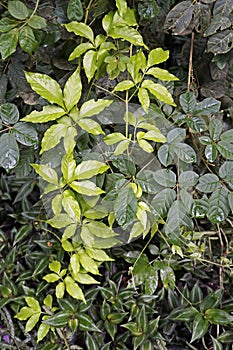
(190, 70)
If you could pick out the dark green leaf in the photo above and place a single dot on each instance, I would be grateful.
(208, 183)
(9, 113)
(211, 152)
(146, 179)
(215, 129)
(177, 218)
(184, 152)
(110, 328)
(9, 151)
(223, 7)
(25, 133)
(188, 179)
(226, 149)
(125, 207)
(183, 314)
(37, 22)
(6, 24)
(162, 202)
(200, 327)
(27, 39)
(179, 18)
(86, 323)
(125, 164)
(75, 10)
(196, 124)
(212, 300)
(221, 42)
(166, 155)
(216, 344)
(207, 107)
(90, 342)
(226, 337)
(218, 206)
(218, 316)
(176, 135)
(60, 319)
(188, 102)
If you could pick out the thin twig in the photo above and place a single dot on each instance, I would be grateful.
(190, 71)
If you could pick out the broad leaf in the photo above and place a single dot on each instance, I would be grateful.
(161, 74)
(18, 10)
(9, 113)
(166, 155)
(93, 107)
(188, 102)
(165, 177)
(71, 206)
(73, 289)
(52, 137)
(48, 113)
(75, 10)
(128, 34)
(86, 187)
(208, 183)
(159, 91)
(8, 43)
(25, 133)
(47, 173)
(177, 218)
(27, 40)
(91, 126)
(125, 207)
(72, 90)
(184, 152)
(124, 85)
(46, 87)
(179, 18)
(200, 327)
(79, 50)
(157, 56)
(89, 168)
(207, 107)
(37, 22)
(99, 229)
(81, 29)
(188, 179)
(221, 42)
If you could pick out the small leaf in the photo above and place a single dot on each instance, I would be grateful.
(60, 290)
(53, 136)
(188, 102)
(165, 177)
(124, 85)
(188, 179)
(128, 34)
(9, 113)
(46, 87)
(207, 107)
(91, 126)
(113, 138)
(60, 319)
(18, 10)
(89, 168)
(55, 266)
(93, 107)
(144, 98)
(89, 64)
(51, 278)
(24, 313)
(184, 152)
(42, 331)
(79, 50)
(221, 42)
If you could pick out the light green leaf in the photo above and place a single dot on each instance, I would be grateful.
(107, 21)
(121, 147)
(48, 113)
(72, 90)
(79, 50)
(60, 290)
(70, 138)
(73, 289)
(128, 34)
(57, 204)
(32, 322)
(93, 107)
(8, 43)
(161, 74)
(37, 22)
(86, 187)
(60, 221)
(159, 91)
(146, 146)
(124, 85)
(80, 29)
(98, 254)
(71, 206)
(89, 168)
(52, 137)
(136, 231)
(88, 263)
(27, 40)
(24, 313)
(46, 87)
(55, 266)
(47, 173)
(33, 304)
(144, 98)
(122, 6)
(68, 166)
(69, 231)
(42, 331)
(51, 277)
(18, 10)
(157, 56)
(91, 126)
(89, 64)
(97, 212)
(113, 138)
(155, 136)
(84, 278)
(99, 229)
(75, 263)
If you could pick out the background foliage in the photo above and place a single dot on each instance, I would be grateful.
(129, 139)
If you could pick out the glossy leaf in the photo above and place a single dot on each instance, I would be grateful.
(218, 316)
(80, 29)
(52, 137)
(188, 102)
(208, 183)
(128, 34)
(59, 319)
(46, 87)
(89, 168)
(188, 179)
(8, 43)
(25, 134)
(144, 98)
(80, 50)
(42, 331)
(184, 152)
(47, 173)
(165, 177)
(157, 56)
(89, 64)
(125, 207)
(48, 113)
(86, 187)
(73, 289)
(221, 42)
(9, 113)
(72, 90)
(179, 18)
(161, 74)
(200, 327)
(177, 218)
(9, 151)
(32, 322)
(27, 39)
(159, 91)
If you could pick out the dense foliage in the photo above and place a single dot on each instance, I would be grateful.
(116, 155)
